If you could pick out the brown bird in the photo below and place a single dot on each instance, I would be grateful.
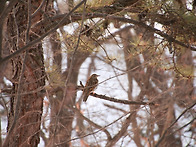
(91, 84)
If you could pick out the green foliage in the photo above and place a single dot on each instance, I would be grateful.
(185, 70)
(99, 3)
(190, 20)
(54, 76)
(86, 44)
(95, 4)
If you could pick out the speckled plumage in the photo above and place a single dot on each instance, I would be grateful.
(91, 84)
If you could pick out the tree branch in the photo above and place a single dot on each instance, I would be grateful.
(3, 13)
(93, 124)
(77, 16)
(62, 21)
(128, 102)
(122, 131)
(95, 131)
(165, 132)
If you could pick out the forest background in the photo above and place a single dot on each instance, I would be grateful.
(143, 50)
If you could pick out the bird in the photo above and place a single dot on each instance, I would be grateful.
(91, 84)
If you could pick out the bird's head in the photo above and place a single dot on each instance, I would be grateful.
(94, 75)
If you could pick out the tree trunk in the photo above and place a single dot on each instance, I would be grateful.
(28, 78)
(62, 97)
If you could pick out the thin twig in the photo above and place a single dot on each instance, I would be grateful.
(17, 109)
(7, 9)
(93, 124)
(175, 66)
(169, 38)
(38, 9)
(69, 74)
(61, 22)
(122, 131)
(18, 96)
(190, 122)
(94, 131)
(165, 132)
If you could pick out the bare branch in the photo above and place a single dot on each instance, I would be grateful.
(122, 131)
(95, 131)
(165, 132)
(93, 124)
(116, 100)
(128, 102)
(64, 19)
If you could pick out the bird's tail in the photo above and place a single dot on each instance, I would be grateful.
(84, 97)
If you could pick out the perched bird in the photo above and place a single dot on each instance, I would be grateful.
(91, 84)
